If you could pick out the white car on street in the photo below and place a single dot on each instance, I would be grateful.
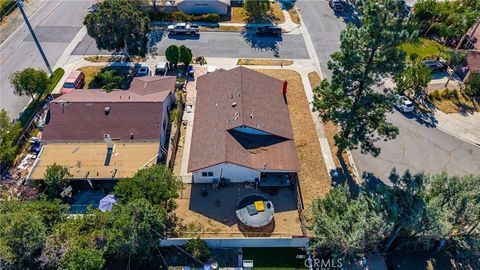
(404, 104)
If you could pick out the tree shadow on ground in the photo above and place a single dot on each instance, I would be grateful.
(427, 119)
(262, 43)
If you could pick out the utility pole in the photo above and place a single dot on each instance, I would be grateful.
(27, 22)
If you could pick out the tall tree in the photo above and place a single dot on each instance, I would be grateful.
(135, 231)
(455, 58)
(456, 201)
(156, 184)
(77, 243)
(117, 26)
(414, 80)
(30, 82)
(367, 55)
(472, 87)
(172, 54)
(8, 136)
(345, 225)
(402, 202)
(55, 180)
(185, 55)
(24, 226)
(257, 9)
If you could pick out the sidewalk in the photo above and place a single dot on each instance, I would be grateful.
(465, 127)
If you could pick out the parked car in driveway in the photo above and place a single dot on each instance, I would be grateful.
(435, 66)
(161, 69)
(143, 70)
(183, 28)
(336, 5)
(404, 104)
(75, 80)
(268, 31)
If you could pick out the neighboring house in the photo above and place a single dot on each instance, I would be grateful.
(471, 65)
(204, 6)
(471, 42)
(100, 135)
(242, 129)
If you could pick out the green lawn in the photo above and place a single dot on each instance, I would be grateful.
(424, 48)
(274, 258)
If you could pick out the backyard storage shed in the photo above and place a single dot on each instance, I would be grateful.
(241, 129)
(203, 6)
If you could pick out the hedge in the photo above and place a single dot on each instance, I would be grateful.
(32, 108)
(179, 16)
(5, 6)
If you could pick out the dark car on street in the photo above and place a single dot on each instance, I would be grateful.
(269, 31)
(336, 5)
(435, 66)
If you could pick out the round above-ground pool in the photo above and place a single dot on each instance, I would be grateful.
(255, 210)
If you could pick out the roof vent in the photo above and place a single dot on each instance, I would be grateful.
(237, 114)
(238, 95)
(107, 110)
(234, 104)
(231, 95)
(251, 116)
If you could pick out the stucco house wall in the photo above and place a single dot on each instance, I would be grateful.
(229, 171)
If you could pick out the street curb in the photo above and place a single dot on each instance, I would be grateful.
(355, 175)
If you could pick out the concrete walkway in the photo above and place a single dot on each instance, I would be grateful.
(465, 127)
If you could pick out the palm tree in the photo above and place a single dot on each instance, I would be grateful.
(455, 58)
(109, 80)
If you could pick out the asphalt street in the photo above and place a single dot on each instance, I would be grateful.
(55, 23)
(420, 146)
(219, 44)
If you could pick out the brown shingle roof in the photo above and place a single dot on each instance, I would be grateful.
(241, 98)
(81, 114)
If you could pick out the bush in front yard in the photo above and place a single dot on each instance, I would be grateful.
(179, 16)
(198, 248)
(211, 17)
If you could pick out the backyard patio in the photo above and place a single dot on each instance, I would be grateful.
(213, 214)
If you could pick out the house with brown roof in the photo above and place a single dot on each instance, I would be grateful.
(471, 42)
(100, 135)
(242, 130)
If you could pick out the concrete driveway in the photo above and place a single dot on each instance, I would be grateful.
(55, 23)
(420, 146)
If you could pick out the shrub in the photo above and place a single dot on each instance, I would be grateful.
(210, 17)
(413, 57)
(456, 94)
(435, 95)
(5, 6)
(160, 16)
(179, 16)
(198, 248)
